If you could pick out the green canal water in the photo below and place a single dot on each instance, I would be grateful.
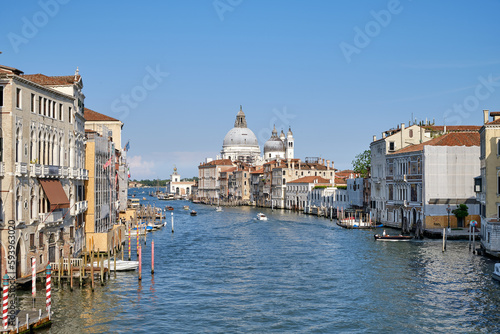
(225, 272)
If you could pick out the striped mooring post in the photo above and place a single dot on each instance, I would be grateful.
(5, 301)
(137, 237)
(33, 280)
(140, 264)
(48, 270)
(152, 257)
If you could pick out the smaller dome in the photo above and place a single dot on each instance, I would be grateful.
(274, 145)
(289, 134)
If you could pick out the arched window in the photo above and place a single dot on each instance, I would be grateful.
(19, 205)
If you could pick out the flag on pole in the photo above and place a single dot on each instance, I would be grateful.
(128, 171)
(127, 146)
(107, 164)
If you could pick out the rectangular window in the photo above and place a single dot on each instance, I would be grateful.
(69, 115)
(498, 185)
(39, 105)
(498, 146)
(60, 111)
(391, 195)
(71, 232)
(1, 96)
(414, 193)
(44, 107)
(32, 104)
(32, 240)
(40, 239)
(391, 146)
(18, 98)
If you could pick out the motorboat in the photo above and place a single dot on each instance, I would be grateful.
(193, 213)
(387, 237)
(496, 272)
(218, 208)
(169, 208)
(121, 265)
(186, 207)
(261, 216)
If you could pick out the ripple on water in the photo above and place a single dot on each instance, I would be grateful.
(226, 272)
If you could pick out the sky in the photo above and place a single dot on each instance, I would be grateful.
(175, 72)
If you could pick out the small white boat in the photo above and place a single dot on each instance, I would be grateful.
(120, 265)
(496, 272)
(261, 216)
(186, 207)
(218, 209)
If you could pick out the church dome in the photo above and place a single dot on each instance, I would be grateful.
(240, 137)
(274, 145)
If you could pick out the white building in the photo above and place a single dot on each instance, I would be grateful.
(41, 168)
(240, 143)
(177, 187)
(279, 147)
(423, 180)
(355, 192)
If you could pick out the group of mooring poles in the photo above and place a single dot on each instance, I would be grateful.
(12, 296)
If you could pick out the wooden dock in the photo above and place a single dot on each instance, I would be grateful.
(28, 321)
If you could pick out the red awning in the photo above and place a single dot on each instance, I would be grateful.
(55, 193)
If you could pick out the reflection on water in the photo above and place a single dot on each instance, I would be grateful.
(227, 272)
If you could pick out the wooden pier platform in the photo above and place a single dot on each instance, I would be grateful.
(36, 320)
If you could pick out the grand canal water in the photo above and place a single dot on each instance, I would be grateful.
(229, 273)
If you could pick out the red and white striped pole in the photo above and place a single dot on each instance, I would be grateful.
(152, 257)
(5, 301)
(33, 279)
(47, 288)
(137, 237)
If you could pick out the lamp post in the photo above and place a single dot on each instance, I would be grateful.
(449, 210)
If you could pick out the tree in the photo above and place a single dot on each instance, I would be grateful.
(461, 212)
(362, 163)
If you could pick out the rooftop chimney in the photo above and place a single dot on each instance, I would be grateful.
(402, 126)
(383, 134)
(328, 164)
(485, 115)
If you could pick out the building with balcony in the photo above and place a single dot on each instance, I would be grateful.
(100, 190)
(423, 181)
(95, 121)
(42, 167)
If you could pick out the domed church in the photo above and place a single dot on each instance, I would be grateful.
(240, 143)
(279, 147)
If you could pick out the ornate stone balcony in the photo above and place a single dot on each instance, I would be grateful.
(21, 168)
(79, 207)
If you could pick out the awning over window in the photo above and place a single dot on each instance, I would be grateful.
(55, 193)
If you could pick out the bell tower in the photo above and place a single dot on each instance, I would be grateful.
(290, 145)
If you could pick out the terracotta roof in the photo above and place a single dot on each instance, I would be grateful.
(259, 170)
(220, 162)
(310, 179)
(449, 139)
(495, 113)
(45, 80)
(494, 122)
(9, 70)
(453, 128)
(91, 115)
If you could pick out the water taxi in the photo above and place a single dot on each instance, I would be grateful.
(261, 216)
(193, 213)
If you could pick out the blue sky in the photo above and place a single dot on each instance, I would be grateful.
(337, 72)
